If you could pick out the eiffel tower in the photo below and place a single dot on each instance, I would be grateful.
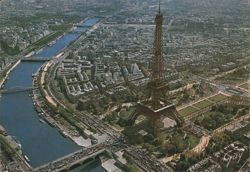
(154, 108)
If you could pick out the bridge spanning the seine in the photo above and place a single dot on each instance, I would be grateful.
(16, 89)
(75, 32)
(78, 157)
(36, 59)
(145, 162)
(81, 25)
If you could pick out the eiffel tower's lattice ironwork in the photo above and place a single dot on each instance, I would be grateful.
(157, 83)
(155, 109)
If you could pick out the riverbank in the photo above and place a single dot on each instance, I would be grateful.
(45, 112)
(12, 147)
(60, 123)
(8, 72)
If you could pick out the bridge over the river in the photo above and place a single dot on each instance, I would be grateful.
(81, 25)
(16, 89)
(72, 159)
(36, 59)
(76, 32)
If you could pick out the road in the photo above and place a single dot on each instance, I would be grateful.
(202, 145)
(73, 158)
(43, 75)
(144, 160)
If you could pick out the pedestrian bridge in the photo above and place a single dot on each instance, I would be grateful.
(16, 89)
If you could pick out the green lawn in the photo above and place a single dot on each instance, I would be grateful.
(217, 98)
(203, 104)
(187, 111)
(246, 86)
(193, 140)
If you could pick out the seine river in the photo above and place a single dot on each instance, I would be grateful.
(40, 142)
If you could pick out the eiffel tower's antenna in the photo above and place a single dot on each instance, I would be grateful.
(159, 6)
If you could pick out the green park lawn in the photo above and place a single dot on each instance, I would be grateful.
(187, 111)
(193, 140)
(217, 98)
(246, 86)
(203, 104)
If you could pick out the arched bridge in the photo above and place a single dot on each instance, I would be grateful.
(16, 89)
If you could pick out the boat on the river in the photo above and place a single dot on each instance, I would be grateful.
(51, 43)
(26, 158)
(42, 121)
(63, 133)
(33, 75)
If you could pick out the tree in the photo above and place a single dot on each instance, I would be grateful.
(148, 137)
(182, 165)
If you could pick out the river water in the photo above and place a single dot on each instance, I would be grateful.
(40, 142)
